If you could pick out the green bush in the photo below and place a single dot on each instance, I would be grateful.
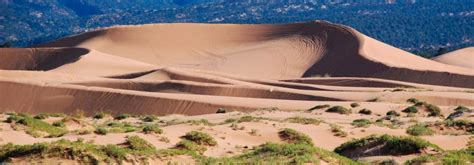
(41, 116)
(303, 120)
(353, 105)
(191, 146)
(248, 119)
(99, 115)
(393, 113)
(411, 109)
(413, 100)
(152, 128)
(319, 107)
(273, 153)
(149, 118)
(295, 137)
(365, 111)
(121, 116)
(337, 130)
(59, 124)
(200, 138)
(101, 131)
(361, 123)
(462, 109)
(35, 125)
(419, 130)
(339, 109)
(433, 110)
(392, 145)
(12, 119)
(138, 144)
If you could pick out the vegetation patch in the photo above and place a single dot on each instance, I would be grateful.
(458, 157)
(36, 127)
(149, 118)
(248, 119)
(375, 145)
(292, 136)
(454, 127)
(319, 107)
(200, 138)
(339, 109)
(99, 115)
(337, 130)
(393, 113)
(411, 109)
(303, 120)
(361, 123)
(419, 130)
(433, 110)
(88, 153)
(365, 111)
(273, 153)
(122, 116)
(354, 105)
(152, 128)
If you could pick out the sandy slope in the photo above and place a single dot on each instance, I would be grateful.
(463, 58)
(197, 68)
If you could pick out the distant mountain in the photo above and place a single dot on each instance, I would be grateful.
(419, 26)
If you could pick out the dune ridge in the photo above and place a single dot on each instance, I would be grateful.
(197, 68)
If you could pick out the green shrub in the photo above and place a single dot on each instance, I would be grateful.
(200, 122)
(248, 119)
(12, 119)
(392, 145)
(458, 157)
(353, 105)
(337, 130)
(221, 110)
(59, 124)
(411, 109)
(138, 144)
(99, 115)
(413, 100)
(273, 153)
(116, 152)
(121, 116)
(419, 130)
(319, 107)
(191, 146)
(462, 109)
(361, 123)
(303, 120)
(34, 126)
(101, 131)
(230, 121)
(41, 116)
(200, 138)
(339, 109)
(433, 110)
(149, 118)
(365, 111)
(152, 128)
(393, 113)
(295, 137)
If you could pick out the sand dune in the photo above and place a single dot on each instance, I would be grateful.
(462, 58)
(197, 68)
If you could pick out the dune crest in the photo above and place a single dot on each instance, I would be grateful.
(462, 58)
(197, 68)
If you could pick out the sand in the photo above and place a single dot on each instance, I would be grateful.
(194, 69)
(462, 57)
